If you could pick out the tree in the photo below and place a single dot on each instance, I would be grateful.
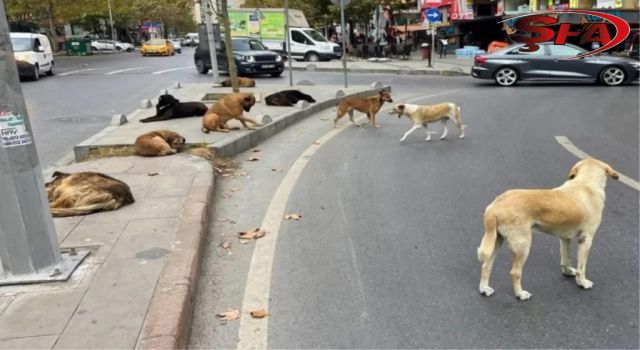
(223, 16)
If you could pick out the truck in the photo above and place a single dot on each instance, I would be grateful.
(306, 43)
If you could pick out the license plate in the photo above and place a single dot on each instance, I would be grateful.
(267, 66)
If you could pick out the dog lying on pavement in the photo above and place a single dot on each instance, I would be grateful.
(370, 106)
(287, 98)
(169, 107)
(85, 193)
(573, 210)
(229, 107)
(158, 143)
(242, 82)
(421, 116)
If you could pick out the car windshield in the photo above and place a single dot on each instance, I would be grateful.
(21, 44)
(156, 42)
(247, 45)
(315, 35)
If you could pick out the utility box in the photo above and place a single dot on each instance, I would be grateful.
(78, 46)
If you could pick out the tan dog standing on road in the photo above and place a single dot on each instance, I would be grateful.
(370, 106)
(573, 210)
(229, 107)
(421, 116)
(85, 193)
(158, 143)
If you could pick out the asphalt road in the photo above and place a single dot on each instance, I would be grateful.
(385, 253)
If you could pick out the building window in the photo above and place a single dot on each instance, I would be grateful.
(516, 6)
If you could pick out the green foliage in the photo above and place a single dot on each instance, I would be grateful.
(174, 14)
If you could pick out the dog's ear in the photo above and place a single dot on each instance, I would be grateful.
(57, 174)
(612, 173)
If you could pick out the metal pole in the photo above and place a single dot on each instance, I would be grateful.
(28, 241)
(212, 45)
(344, 43)
(288, 39)
(260, 24)
(432, 63)
(113, 34)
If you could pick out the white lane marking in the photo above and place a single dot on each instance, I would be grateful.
(253, 333)
(77, 71)
(172, 69)
(566, 143)
(123, 70)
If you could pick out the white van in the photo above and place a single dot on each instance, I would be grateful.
(191, 39)
(308, 44)
(33, 54)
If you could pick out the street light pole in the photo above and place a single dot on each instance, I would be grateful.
(113, 34)
(211, 42)
(288, 39)
(28, 242)
(343, 29)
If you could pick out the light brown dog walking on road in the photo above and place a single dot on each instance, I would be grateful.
(370, 106)
(573, 210)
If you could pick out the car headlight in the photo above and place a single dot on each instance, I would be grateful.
(250, 59)
(21, 57)
(635, 65)
(278, 58)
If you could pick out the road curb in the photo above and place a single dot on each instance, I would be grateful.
(244, 142)
(449, 73)
(167, 324)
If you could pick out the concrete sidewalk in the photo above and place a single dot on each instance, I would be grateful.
(140, 254)
(136, 288)
(450, 66)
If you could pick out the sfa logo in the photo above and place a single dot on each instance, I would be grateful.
(536, 28)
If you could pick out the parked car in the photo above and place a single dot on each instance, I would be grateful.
(251, 58)
(553, 62)
(162, 47)
(99, 45)
(33, 54)
(120, 46)
(177, 46)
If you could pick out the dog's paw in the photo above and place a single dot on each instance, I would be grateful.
(461, 136)
(568, 271)
(428, 139)
(524, 295)
(486, 291)
(584, 283)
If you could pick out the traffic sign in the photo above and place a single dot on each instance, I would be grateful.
(433, 15)
(337, 2)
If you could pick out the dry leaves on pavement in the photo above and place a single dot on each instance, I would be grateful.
(253, 159)
(226, 245)
(256, 150)
(293, 216)
(259, 313)
(252, 234)
(229, 315)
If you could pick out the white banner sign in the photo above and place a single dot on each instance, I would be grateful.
(13, 132)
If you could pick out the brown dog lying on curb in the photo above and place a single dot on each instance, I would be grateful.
(242, 82)
(573, 210)
(370, 106)
(421, 116)
(85, 193)
(229, 107)
(158, 143)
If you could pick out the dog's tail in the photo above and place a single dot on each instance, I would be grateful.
(84, 210)
(488, 244)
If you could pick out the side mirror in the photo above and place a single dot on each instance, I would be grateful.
(39, 48)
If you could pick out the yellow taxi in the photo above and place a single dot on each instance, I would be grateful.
(162, 47)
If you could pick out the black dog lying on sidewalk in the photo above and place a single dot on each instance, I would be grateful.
(287, 98)
(169, 107)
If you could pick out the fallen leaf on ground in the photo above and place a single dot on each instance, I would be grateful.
(226, 196)
(226, 245)
(293, 216)
(235, 189)
(255, 150)
(277, 170)
(253, 159)
(152, 174)
(324, 118)
(229, 315)
(252, 234)
(260, 313)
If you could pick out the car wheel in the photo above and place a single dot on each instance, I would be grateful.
(35, 75)
(506, 76)
(52, 70)
(612, 76)
(277, 74)
(200, 67)
(312, 57)
(119, 49)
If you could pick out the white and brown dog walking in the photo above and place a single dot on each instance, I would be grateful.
(421, 116)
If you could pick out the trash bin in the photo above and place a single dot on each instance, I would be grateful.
(78, 46)
(425, 50)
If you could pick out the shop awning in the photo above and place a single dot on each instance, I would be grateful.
(411, 28)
